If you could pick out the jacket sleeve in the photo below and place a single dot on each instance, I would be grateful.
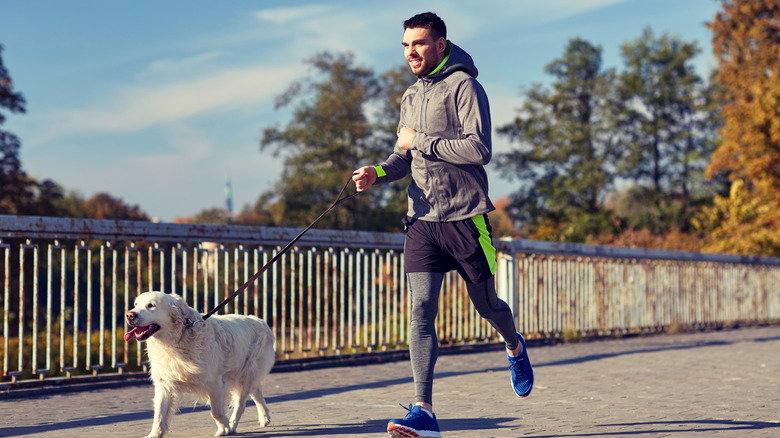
(397, 166)
(474, 145)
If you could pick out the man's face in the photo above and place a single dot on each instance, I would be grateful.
(421, 51)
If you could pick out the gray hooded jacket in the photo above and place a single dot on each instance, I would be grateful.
(450, 112)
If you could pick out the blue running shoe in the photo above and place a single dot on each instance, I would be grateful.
(417, 423)
(522, 373)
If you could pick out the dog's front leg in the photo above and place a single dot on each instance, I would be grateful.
(217, 401)
(162, 408)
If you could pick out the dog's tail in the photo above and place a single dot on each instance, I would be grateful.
(267, 347)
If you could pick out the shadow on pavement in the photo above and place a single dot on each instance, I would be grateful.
(666, 346)
(676, 427)
(75, 423)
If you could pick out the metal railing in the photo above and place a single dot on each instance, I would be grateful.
(584, 289)
(67, 284)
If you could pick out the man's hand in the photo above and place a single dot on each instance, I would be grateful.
(405, 138)
(364, 177)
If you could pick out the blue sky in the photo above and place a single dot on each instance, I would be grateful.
(157, 102)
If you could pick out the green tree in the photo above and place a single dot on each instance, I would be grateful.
(213, 216)
(668, 122)
(19, 193)
(331, 134)
(256, 214)
(47, 199)
(566, 146)
(15, 190)
(105, 206)
(98, 206)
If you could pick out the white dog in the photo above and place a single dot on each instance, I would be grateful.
(208, 359)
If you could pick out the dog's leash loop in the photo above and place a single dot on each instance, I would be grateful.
(338, 201)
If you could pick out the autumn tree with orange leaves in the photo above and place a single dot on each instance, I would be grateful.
(746, 43)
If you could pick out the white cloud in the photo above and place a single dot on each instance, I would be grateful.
(174, 68)
(172, 90)
(545, 12)
(285, 15)
(137, 107)
(190, 143)
(337, 28)
(507, 14)
(182, 177)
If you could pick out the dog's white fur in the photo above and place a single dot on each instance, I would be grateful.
(208, 359)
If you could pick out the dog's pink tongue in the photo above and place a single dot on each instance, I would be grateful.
(131, 334)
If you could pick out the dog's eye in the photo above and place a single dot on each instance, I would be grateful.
(150, 306)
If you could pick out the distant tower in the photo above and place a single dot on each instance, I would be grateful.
(228, 196)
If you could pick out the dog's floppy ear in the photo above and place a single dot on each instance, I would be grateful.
(183, 314)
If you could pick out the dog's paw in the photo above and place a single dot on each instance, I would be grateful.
(222, 431)
(264, 421)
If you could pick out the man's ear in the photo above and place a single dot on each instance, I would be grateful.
(441, 46)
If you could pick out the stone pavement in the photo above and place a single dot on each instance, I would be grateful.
(709, 384)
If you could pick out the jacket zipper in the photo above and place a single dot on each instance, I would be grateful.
(424, 123)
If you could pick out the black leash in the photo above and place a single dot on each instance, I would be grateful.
(338, 201)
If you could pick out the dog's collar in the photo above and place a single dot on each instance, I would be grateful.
(190, 322)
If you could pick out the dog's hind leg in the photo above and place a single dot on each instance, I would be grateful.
(217, 402)
(263, 414)
(239, 403)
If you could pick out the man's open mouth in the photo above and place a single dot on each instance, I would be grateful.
(141, 332)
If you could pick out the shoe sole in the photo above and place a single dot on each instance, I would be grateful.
(396, 431)
(526, 394)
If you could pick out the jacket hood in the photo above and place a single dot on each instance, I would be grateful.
(458, 60)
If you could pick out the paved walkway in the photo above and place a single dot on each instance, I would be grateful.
(713, 384)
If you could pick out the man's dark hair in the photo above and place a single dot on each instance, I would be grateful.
(430, 21)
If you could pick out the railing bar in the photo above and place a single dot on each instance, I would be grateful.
(6, 307)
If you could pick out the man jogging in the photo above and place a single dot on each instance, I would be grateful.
(444, 141)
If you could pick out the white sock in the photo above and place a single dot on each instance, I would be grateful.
(516, 355)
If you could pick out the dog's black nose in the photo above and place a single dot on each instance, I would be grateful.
(130, 316)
